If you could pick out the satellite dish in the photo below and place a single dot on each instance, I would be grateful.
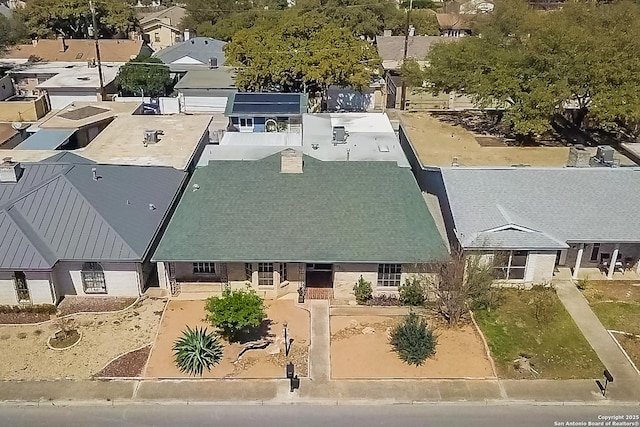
(271, 125)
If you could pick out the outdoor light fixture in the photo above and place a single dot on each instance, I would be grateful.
(286, 340)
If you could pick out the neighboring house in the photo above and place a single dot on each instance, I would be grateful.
(476, 6)
(9, 136)
(194, 54)
(206, 91)
(290, 221)
(73, 227)
(266, 112)
(453, 25)
(391, 49)
(19, 107)
(162, 29)
(530, 220)
(79, 84)
(75, 50)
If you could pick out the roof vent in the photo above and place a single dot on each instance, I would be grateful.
(10, 171)
(340, 135)
(152, 207)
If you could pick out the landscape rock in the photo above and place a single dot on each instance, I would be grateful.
(368, 330)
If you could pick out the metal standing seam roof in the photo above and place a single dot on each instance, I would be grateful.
(59, 212)
(217, 78)
(46, 139)
(543, 208)
(333, 212)
(198, 48)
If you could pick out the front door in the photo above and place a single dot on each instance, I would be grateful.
(22, 290)
(319, 281)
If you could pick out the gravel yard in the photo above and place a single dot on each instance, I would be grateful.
(104, 336)
(74, 304)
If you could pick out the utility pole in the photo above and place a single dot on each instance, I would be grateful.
(403, 93)
(95, 37)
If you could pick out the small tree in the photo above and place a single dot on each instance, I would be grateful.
(542, 303)
(235, 312)
(463, 280)
(144, 75)
(413, 340)
(412, 292)
(197, 350)
(362, 291)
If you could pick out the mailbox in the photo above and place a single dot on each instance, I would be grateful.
(290, 370)
(608, 376)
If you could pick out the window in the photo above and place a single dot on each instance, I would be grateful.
(389, 274)
(248, 271)
(510, 265)
(93, 278)
(595, 252)
(283, 272)
(204, 268)
(265, 274)
(246, 123)
(22, 290)
(156, 36)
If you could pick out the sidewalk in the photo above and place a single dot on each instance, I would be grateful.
(625, 377)
(320, 351)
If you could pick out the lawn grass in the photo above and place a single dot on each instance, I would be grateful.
(555, 345)
(631, 345)
(617, 305)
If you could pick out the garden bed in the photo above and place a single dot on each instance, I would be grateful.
(360, 349)
(93, 304)
(129, 364)
(552, 343)
(23, 318)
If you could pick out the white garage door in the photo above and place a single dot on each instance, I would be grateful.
(204, 104)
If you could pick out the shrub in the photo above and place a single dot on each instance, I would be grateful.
(235, 312)
(412, 292)
(363, 291)
(413, 340)
(38, 308)
(583, 283)
(542, 303)
(196, 350)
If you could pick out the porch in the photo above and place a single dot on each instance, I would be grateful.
(611, 261)
(596, 274)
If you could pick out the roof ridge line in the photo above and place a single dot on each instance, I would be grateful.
(99, 215)
(36, 187)
(27, 230)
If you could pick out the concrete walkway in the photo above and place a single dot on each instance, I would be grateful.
(625, 376)
(320, 351)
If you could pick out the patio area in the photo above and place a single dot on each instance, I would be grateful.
(261, 363)
(596, 274)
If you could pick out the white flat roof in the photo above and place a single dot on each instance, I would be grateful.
(83, 77)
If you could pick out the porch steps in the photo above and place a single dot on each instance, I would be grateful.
(199, 291)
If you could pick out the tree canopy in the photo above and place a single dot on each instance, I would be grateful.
(72, 18)
(141, 76)
(304, 52)
(535, 64)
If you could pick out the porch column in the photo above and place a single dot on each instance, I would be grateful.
(612, 263)
(578, 260)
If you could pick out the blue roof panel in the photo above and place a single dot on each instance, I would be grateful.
(46, 139)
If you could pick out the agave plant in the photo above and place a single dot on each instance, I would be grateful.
(196, 350)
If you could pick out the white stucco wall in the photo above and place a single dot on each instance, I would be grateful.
(39, 285)
(122, 279)
(540, 266)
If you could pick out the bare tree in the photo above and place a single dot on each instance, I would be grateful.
(461, 282)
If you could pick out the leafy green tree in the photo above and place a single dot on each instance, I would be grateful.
(197, 350)
(141, 76)
(12, 31)
(200, 12)
(414, 340)
(362, 291)
(235, 312)
(301, 54)
(72, 18)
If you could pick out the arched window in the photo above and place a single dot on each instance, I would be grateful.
(93, 278)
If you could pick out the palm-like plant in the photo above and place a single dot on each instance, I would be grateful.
(196, 350)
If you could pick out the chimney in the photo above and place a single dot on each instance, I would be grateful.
(187, 35)
(62, 46)
(10, 171)
(290, 161)
(387, 33)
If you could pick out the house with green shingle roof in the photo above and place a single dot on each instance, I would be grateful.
(290, 220)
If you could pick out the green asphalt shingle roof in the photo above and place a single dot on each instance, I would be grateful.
(332, 212)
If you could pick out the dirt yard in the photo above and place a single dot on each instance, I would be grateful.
(357, 353)
(437, 143)
(26, 356)
(254, 363)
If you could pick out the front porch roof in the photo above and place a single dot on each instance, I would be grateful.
(241, 211)
(512, 238)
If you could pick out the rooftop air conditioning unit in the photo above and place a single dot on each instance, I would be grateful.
(339, 135)
(150, 136)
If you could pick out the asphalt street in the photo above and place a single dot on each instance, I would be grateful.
(477, 415)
